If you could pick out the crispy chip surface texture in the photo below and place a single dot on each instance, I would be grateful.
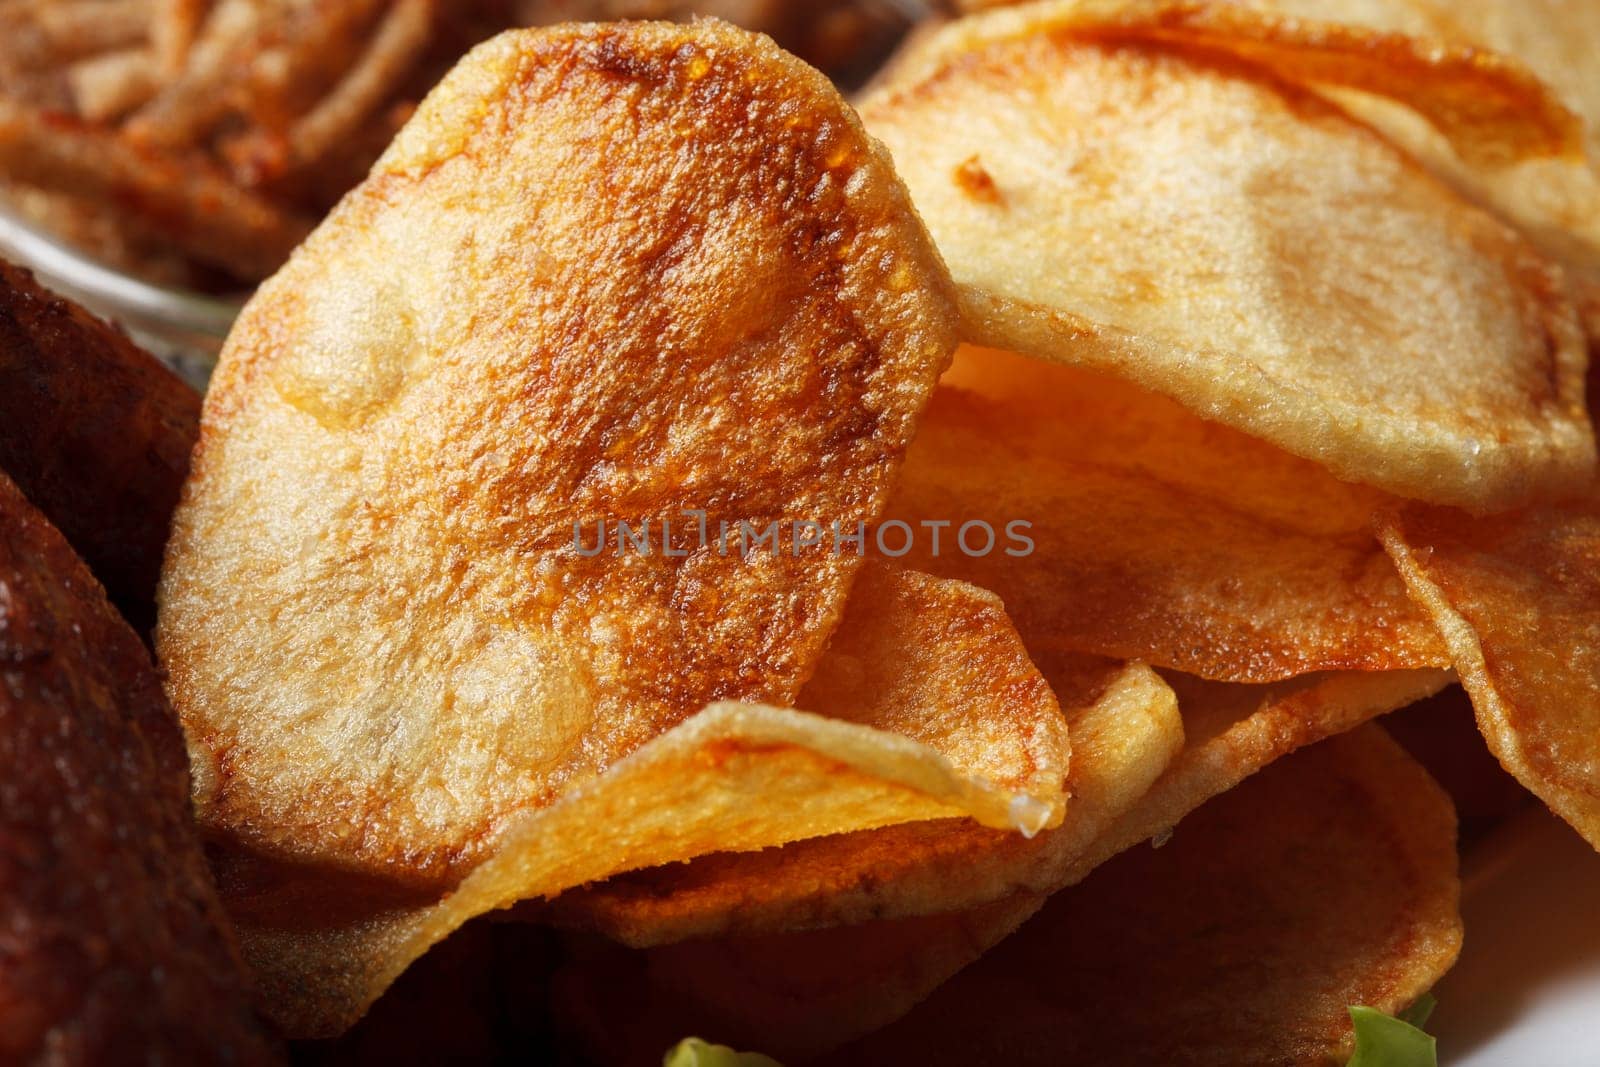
(1188, 221)
(1326, 881)
(606, 273)
(733, 777)
(113, 947)
(1126, 731)
(1517, 598)
(1138, 770)
(1493, 109)
(1154, 535)
(1475, 91)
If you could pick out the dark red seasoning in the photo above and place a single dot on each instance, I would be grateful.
(96, 432)
(113, 947)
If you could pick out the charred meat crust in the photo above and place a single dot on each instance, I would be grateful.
(113, 947)
(96, 433)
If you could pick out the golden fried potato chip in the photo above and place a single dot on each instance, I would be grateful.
(1234, 731)
(1190, 222)
(1154, 535)
(1228, 732)
(641, 274)
(1125, 730)
(989, 743)
(1492, 108)
(1517, 598)
(1329, 880)
(1556, 201)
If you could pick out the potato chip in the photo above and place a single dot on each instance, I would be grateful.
(1477, 118)
(1234, 731)
(1493, 109)
(1228, 733)
(1125, 730)
(1555, 38)
(735, 776)
(1555, 201)
(113, 947)
(1152, 534)
(388, 614)
(1191, 223)
(1517, 598)
(791, 995)
(1328, 880)
(940, 663)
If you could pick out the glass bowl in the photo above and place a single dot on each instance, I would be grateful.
(184, 329)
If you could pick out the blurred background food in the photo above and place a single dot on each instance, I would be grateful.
(193, 143)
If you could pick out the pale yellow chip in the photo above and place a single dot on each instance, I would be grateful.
(1556, 201)
(1235, 731)
(1327, 881)
(1228, 732)
(637, 273)
(1125, 731)
(799, 994)
(963, 726)
(1151, 534)
(1517, 598)
(1188, 221)
(1492, 109)
(1443, 80)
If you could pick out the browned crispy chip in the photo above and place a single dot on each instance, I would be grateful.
(1152, 534)
(1191, 222)
(1517, 599)
(1125, 731)
(472, 366)
(1228, 733)
(96, 432)
(1328, 880)
(735, 776)
(113, 947)
(635, 273)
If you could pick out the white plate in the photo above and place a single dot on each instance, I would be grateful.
(1526, 990)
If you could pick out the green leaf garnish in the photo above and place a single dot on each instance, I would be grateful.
(1389, 1041)
(1417, 1015)
(693, 1052)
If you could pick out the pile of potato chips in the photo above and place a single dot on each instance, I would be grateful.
(1248, 313)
